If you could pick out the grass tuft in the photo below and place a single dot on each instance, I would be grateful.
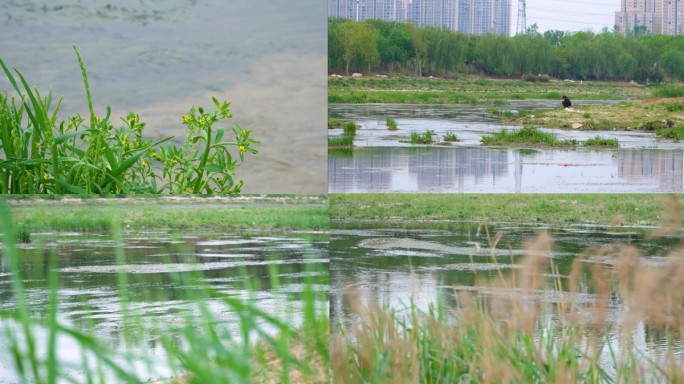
(673, 91)
(450, 137)
(421, 138)
(599, 141)
(525, 136)
(391, 124)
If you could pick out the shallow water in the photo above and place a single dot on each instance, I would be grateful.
(165, 272)
(380, 162)
(427, 264)
(159, 57)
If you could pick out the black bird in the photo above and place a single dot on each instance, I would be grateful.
(566, 102)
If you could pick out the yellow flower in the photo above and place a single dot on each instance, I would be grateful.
(188, 190)
(186, 119)
(46, 176)
(201, 121)
(244, 131)
(145, 163)
(241, 148)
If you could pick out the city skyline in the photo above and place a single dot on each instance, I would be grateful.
(546, 14)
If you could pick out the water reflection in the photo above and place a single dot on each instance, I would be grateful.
(474, 169)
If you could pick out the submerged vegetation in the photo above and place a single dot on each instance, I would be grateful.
(43, 154)
(526, 136)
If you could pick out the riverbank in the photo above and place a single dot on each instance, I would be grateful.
(260, 213)
(555, 209)
(473, 90)
(649, 114)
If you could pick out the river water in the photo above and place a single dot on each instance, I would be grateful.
(166, 273)
(159, 57)
(380, 162)
(400, 264)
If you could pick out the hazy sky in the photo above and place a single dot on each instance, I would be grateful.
(567, 15)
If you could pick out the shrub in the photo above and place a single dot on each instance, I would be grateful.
(391, 124)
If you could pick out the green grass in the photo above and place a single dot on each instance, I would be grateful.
(675, 133)
(267, 347)
(245, 213)
(599, 141)
(349, 128)
(525, 136)
(421, 138)
(391, 124)
(465, 90)
(673, 107)
(334, 123)
(450, 137)
(556, 209)
(338, 142)
(399, 97)
(43, 154)
(669, 91)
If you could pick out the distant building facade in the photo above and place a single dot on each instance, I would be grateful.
(655, 17)
(468, 16)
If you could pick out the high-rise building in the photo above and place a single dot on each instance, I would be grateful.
(469, 16)
(653, 16)
(480, 17)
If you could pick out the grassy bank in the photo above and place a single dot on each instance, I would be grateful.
(472, 90)
(253, 213)
(648, 114)
(556, 209)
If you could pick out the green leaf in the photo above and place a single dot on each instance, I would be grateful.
(71, 188)
(219, 134)
(214, 168)
(62, 138)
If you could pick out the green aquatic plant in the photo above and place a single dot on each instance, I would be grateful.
(338, 142)
(599, 141)
(391, 124)
(525, 136)
(41, 154)
(349, 128)
(450, 137)
(421, 138)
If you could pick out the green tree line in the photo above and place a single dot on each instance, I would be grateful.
(393, 47)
